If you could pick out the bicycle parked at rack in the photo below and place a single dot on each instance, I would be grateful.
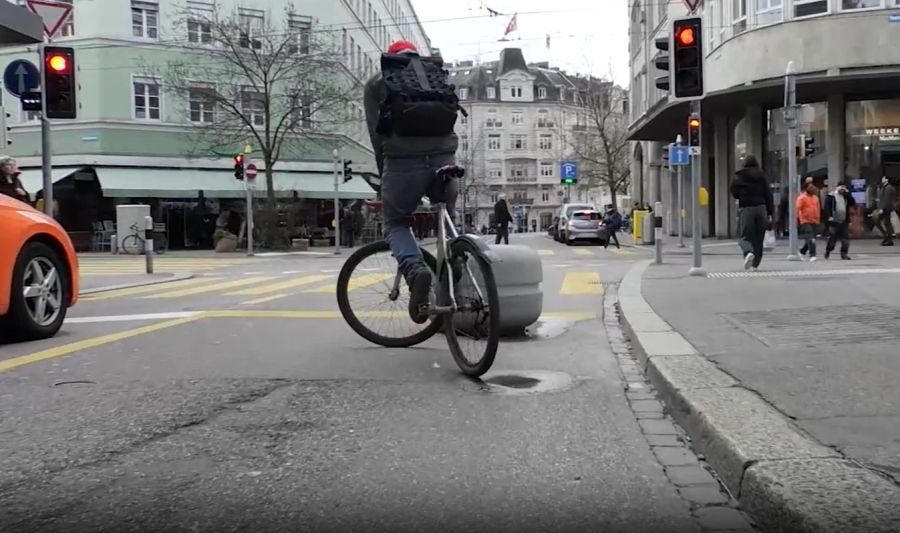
(134, 242)
(466, 304)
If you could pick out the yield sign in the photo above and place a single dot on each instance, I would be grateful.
(53, 14)
(692, 5)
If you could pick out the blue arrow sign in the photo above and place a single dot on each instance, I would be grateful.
(679, 156)
(569, 170)
(21, 76)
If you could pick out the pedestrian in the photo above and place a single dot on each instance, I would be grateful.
(809, 212)
(751, 189)
(612, 221)
(411, 112)
(838, 205)
(10, 184)
(886, 201)
(503, 219)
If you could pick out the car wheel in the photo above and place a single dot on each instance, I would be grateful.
(40, 293)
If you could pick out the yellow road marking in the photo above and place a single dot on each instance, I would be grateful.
(355, 283)
(276, 287)
(119, 293)
(211, 287)
(622, 252)
(265, 300)
(546, 252)
(67, 349)
(581, 283)
(583, 251)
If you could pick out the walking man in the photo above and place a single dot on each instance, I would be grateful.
(612, 220)
(751, 189)
(886, 202)
(809, 213)
(837, 214)
(503, 218)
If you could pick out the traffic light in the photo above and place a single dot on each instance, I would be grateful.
(5, 127)
(808, 147)
(59, 82)
(568, 181)
(662, 63)
(665, 156)
(239, 166)
(694, 130)
(348, 171)
(687, 58)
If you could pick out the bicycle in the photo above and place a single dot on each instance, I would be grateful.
(134, 242)
(448, 308)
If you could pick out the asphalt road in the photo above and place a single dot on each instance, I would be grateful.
(270, 414)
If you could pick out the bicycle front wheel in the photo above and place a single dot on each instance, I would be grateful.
(132, 244)
(373, 306)
(473, 331)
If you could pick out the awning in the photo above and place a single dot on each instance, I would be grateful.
(33, 179)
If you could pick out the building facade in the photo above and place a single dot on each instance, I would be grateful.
(521, 123)
(847, 83)
(136, 135)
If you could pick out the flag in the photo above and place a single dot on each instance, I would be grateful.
(512, 25)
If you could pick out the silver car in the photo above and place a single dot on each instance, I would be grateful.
(565, 214)
(585, 225)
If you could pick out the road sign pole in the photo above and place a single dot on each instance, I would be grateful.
(337, 203)
(697, 228)
(46, 146)
(249, 195)
(790, 120)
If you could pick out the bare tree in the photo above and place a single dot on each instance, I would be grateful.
(471, 157)
(600, 139)
(246, 80)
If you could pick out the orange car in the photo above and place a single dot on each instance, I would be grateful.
(38, 272)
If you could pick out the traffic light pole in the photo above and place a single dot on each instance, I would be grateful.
(679, 176)
(697, 228)
(249, 191)
(46, 146)
(791, 120)
(337, 203)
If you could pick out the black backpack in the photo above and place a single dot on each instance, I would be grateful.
(420, 102)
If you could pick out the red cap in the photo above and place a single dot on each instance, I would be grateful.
(402, 47)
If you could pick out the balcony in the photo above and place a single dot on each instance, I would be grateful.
(546, 124)
(522, 179)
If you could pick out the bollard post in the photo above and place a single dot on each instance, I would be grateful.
(148, 243)
(658, 231)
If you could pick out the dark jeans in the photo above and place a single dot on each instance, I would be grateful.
(888, 226)
(753, 231)
(808, 233)
(840, 230)
(612, 237)
(405, 181)
(502, 233)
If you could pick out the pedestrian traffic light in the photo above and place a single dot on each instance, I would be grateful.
(59, 82)
(348, 171)
(662, 63)
(239, 166)
(687, 58)
(808, 147)
(694, 130)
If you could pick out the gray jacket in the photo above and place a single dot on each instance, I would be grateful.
(887, 199)
(395, 146)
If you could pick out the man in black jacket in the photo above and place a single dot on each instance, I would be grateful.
(751, 189)
(502, 217)
(837, 214)
(886, 201)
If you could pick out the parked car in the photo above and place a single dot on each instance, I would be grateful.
(586, 225)
(565, 213)
(38, 272)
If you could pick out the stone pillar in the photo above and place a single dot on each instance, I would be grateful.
(756, 130)
(655, 160)
(835, 144)
(723, 175)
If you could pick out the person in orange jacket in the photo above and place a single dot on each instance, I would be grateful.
(809, 216)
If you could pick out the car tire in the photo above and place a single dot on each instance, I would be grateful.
(21, 324)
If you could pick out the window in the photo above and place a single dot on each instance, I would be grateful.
(199, 28)
(302, 112)
(544, 119)
(806, 8)
(518, 172)
(202, 103)
(463, 93)
(146, 99)
(518, 142)
(251, 22)
(562, 94)
(768, 11)
(546, 171)
(860, 4)
(739, 16)
(545, 142)
(463, 120)
(253, 105)
(518, 117)
(495, 197)
(542, 93)
(491, 93)
(145, 19)
(515, 92)
(464, 143)
(492, 120)
(495, 171)
(301, 30)
(494, 142)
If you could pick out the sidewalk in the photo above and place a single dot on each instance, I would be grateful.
(861, 247)
(802, 355)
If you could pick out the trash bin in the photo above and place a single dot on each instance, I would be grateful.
(637, 219)
(647, 230)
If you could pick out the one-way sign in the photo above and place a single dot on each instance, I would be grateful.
(679, 156)
(21, 76)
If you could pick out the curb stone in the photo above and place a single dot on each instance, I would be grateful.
(786, 481)
(145, 283)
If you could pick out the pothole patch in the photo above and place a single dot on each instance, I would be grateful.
(527, 382)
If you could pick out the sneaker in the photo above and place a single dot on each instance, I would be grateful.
(812, 259)
(419, 288)
(845, 257)
(748, 260)
(827, 254)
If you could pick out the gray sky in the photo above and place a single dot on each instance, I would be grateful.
(585, 35)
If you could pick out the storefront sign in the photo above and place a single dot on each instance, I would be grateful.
(883, 131)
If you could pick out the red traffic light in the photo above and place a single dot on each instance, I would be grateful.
(686, 36)
(58, 63)
(694, 123)
(239, 159)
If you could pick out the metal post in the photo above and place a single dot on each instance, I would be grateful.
(697, 228)
(338, 170)
(46, 145)
(148, 243)
(679, 175)
(658, 231)
(790, 120)
(249, 218)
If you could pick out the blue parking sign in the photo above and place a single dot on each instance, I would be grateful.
(569, 170)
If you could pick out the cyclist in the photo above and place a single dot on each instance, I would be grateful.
(410, 112)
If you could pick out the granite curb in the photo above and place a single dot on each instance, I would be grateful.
(783, 478)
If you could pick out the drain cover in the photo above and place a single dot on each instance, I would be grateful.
(515, 382)
(528, 382)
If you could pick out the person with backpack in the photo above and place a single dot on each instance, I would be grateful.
(612, 221)
(411, 111)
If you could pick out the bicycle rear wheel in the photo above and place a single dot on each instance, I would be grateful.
(473, 331)
(376, 313)
(133, 244)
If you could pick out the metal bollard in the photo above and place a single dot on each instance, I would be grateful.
(148, 243)
(658, 231)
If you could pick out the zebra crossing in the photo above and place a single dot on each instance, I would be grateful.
(120, 266)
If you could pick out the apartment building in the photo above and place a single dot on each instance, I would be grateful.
(847, 81)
